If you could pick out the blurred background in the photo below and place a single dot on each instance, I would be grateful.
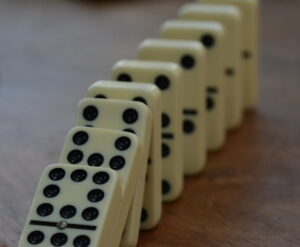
(51, 51)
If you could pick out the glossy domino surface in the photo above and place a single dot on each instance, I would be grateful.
(151, 96)
(249, 51)
(117, 150)
(130, 116)
(74, 206)
(168, 78)
(230, 18)
(211, 36)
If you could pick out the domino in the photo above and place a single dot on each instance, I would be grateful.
(167, 77)
(151, 96)
(130, 116)
(230, 18)
(117, 150)
(73, 206)
(190, 55)
(249, 50)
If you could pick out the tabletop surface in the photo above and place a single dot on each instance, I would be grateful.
(51, 51)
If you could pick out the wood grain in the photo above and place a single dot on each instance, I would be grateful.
(51, 51)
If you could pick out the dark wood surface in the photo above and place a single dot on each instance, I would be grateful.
(51, 51)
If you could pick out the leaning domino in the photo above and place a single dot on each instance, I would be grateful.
(74, 206)
(113, 149)
(151, 96)
(130, 116)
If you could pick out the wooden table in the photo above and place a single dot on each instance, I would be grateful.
(51, 51)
